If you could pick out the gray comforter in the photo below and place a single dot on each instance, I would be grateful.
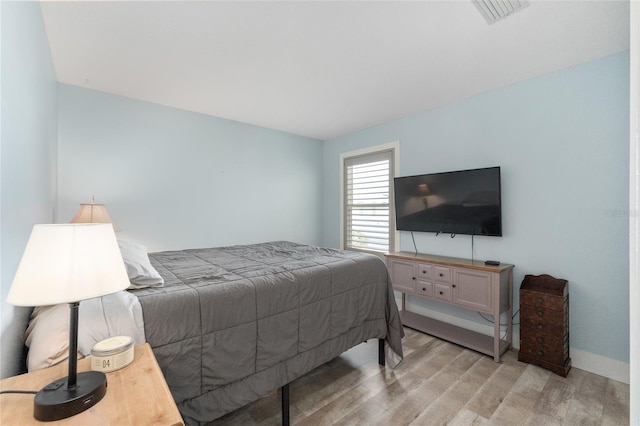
(233, 323)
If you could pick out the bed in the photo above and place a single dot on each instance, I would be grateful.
(229, 325)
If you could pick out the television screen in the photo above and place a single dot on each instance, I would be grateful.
(459, 202)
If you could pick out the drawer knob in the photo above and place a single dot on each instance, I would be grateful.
(424, 272)
(424, 289)
(454, 286)
(540, 326)
(441, 274)
(441, 292)
(540, 353)
(413, 278)
(540, 301)
(539, 339)
(540, 313)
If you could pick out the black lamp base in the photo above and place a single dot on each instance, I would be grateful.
(56, 401)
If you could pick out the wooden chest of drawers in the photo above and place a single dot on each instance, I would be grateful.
(544, 323)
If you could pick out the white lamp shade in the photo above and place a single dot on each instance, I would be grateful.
(65, 263)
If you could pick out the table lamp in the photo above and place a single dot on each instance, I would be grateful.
(93, 213)
(68, 263)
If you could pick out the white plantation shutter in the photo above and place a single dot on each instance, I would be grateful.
(367, 201)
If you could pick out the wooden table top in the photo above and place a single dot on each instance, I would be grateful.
(136, 394)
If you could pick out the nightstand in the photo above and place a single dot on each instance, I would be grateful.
(136, 394)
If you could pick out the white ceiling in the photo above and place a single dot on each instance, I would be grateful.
(320, 68)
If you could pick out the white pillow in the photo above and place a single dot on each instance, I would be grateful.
(141, 273)
(47, 335)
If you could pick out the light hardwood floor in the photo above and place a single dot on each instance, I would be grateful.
(439, 383)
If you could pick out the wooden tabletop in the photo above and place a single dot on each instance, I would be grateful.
(449, 261)
(136, 395)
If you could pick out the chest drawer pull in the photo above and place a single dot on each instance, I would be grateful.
(540, 313)
(539, 339)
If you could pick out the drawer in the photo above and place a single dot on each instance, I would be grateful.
(442, 292)
(540, 315)
(536, 326)
(442, 274)
(547, 354)
(425, 271)
(542, 300)
(542, 340)
(424, 288)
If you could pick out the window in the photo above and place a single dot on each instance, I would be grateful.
(367, 182)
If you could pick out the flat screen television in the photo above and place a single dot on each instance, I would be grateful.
(459, 202)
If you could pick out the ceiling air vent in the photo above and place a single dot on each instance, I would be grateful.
(494, 10)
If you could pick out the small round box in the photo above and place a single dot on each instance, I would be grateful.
(112, 354)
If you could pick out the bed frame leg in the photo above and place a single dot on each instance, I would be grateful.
(284, 391)
(284, 395)
(381, 359)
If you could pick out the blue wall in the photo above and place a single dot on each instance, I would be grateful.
(27, 154)
(174, 179)
(562, 142)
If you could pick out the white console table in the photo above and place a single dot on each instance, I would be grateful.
(464, 283)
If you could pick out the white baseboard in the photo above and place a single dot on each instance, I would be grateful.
(597, 364)
(602, 366)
